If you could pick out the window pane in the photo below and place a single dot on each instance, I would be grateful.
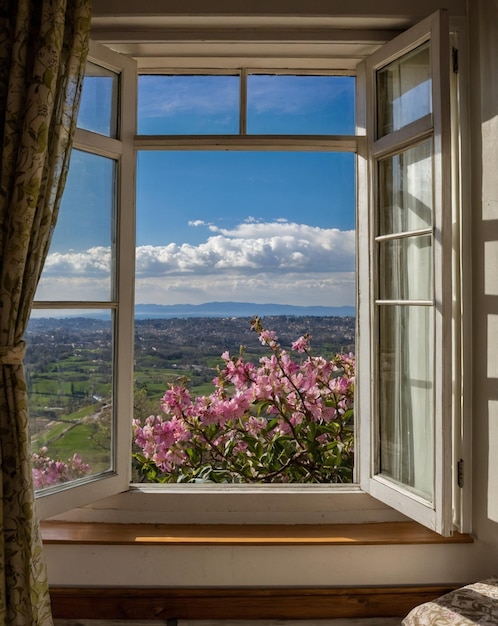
(223, 237)
(301, 105)
(406, 396)
(404, 91)
(188, 105)
(405, 269)
(69, 377)
(79, 263)
(98, 110)
(405, 190)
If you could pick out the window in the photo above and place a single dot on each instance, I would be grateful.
(229, 229)
(83, 308)
(413, 347)
(408, 332)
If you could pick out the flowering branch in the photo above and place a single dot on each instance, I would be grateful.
(283, 420)
(48, 472)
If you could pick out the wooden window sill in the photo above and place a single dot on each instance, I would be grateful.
(385, 533)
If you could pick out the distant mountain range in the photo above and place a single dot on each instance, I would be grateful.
(237, 309)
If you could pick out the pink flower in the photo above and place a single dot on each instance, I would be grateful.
(268, 338)
(48, 472)
(255, 424)
(301, 344)
(240, 447)
(272, 413)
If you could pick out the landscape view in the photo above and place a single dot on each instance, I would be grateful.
(215, 229)
(68, 366)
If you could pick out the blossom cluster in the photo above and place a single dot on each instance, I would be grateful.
(48, 472)
(286, 419)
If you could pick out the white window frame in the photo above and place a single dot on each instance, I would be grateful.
(438, 515)
(269, 503)
(61, 498)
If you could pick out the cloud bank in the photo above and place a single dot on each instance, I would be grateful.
(253, 258)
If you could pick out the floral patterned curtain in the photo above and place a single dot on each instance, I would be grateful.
(43, 48)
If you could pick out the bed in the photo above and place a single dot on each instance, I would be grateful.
(474, 604)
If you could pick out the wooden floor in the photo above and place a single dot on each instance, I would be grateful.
(375, 621)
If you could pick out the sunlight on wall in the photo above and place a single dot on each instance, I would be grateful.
(492, 462)
(492, 370)
(490, 265)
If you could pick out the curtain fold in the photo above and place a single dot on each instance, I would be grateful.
(43, 48)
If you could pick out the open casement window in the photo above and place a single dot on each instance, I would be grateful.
(101, 178)
(405, 342)
(406, 397)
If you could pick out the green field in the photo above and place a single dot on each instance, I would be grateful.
(69, 372)
(70, 405)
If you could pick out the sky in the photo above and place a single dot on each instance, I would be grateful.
(250, 226)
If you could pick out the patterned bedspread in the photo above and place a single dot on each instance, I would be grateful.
(474, 604)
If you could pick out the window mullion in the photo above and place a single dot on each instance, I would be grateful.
(404, 235)
(408, 135)
(339, 143)
(243, 102)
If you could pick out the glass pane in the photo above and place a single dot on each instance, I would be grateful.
(188, 105)
(301, 105)
(406, 396)
(80, 259)
(69, 377)
(405, 190)
(404, 91)
(405, 269)
(223, 237)
(98, 110)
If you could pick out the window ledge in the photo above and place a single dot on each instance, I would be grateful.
(386, 533)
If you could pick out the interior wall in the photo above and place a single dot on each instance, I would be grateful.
(483, 18)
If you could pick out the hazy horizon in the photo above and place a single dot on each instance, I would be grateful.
(208, 309)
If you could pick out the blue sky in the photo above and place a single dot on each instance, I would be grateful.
(218, 225)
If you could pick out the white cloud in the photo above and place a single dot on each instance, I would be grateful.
(70, 287)
(92, 261)
(254, 247)
(271, 247)
(279, 261)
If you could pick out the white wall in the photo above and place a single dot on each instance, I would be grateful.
(484, 125)
(258, 566)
